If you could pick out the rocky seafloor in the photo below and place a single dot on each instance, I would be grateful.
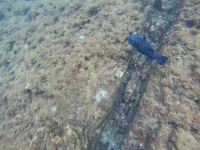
(61, 63)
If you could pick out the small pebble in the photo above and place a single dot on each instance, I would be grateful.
(81, 36)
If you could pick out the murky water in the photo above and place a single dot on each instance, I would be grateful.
(69, 79)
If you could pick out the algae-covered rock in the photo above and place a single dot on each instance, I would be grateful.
(185, 140)
(57, 89)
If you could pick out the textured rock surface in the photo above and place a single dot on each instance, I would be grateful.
(168, 116)
(50, 77)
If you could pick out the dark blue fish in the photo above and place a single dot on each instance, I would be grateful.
(142, 46)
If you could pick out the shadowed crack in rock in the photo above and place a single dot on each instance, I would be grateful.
(135, 78)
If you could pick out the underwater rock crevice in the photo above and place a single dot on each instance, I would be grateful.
(134, 79)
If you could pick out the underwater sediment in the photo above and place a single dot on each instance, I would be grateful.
(61, 67)
(134, 79)
(169, 108)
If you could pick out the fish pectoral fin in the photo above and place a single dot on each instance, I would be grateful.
(149, 59)
(137, 45)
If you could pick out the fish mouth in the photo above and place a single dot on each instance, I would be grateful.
(129, 38)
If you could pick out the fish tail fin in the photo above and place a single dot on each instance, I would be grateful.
(161, 59)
